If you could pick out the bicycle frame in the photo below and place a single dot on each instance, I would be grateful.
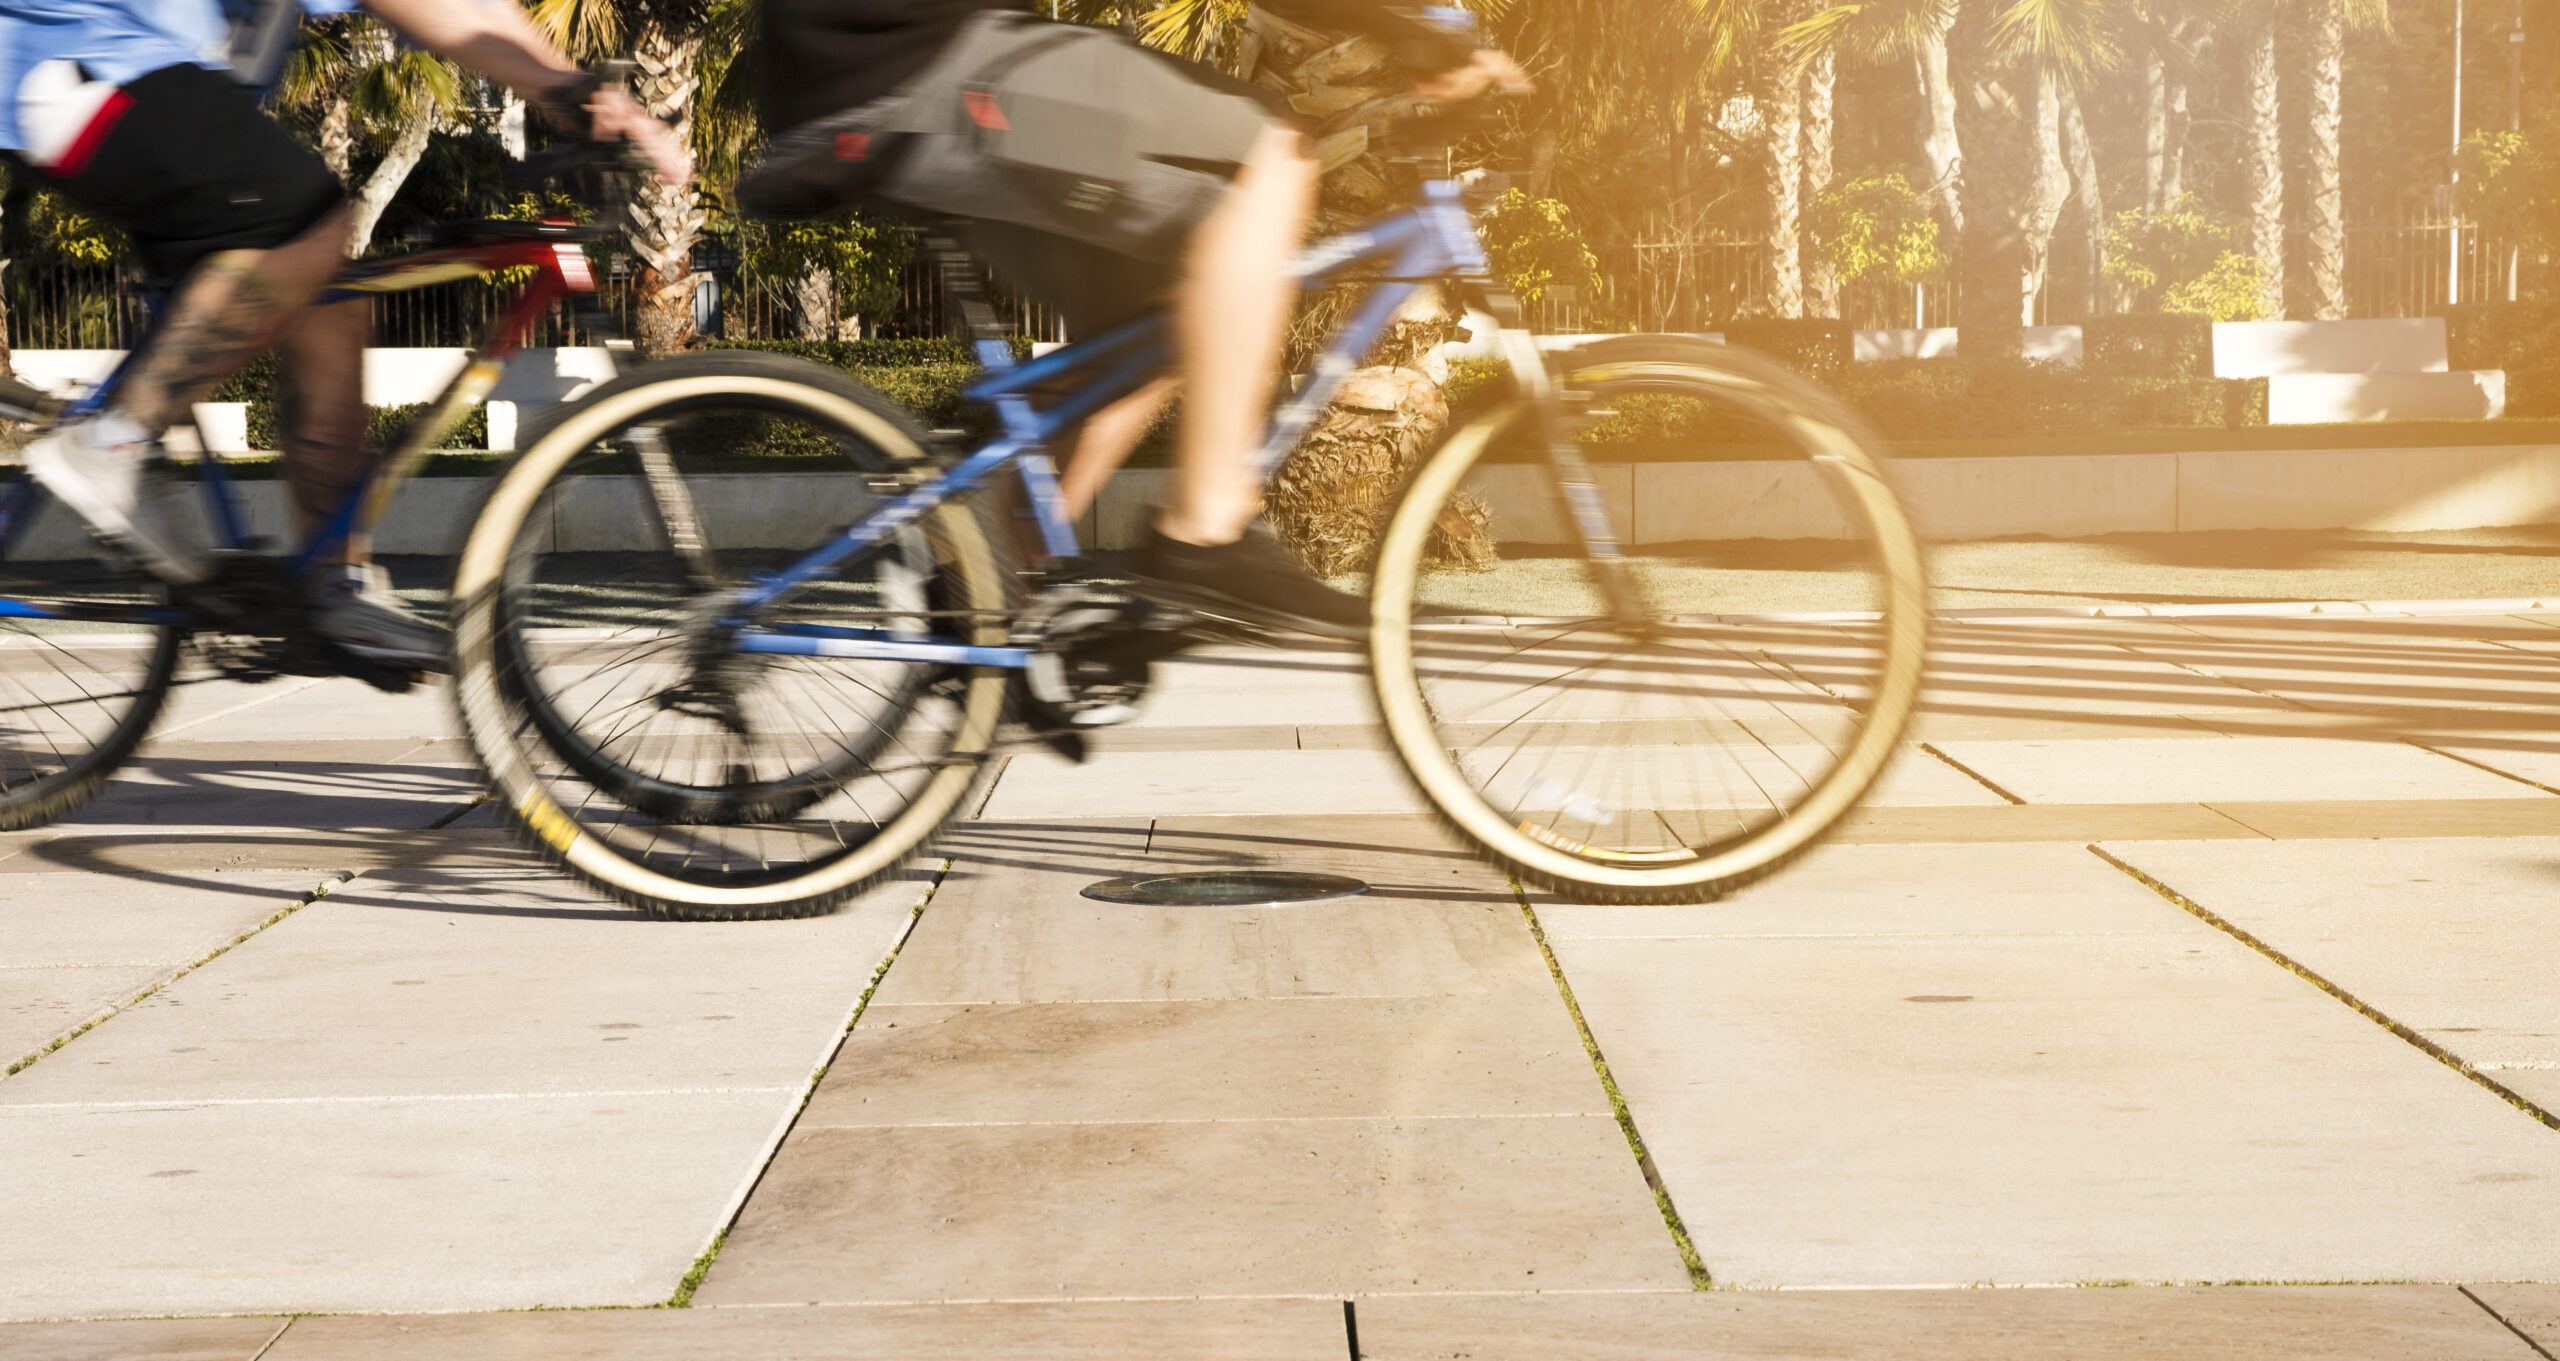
(1432, 242)
(555, 253)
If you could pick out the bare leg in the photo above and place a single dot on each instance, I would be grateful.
(1105, 441)
(1229, 317)
(321, 363)
(227, 309)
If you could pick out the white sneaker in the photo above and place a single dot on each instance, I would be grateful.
(95, 468)
(354, 608)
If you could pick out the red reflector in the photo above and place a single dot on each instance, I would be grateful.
(983, 110)
(853, 146)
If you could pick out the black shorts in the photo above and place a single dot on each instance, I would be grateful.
(193, 167)
(1069, 158)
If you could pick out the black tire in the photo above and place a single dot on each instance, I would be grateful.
(727, 800)
(75, 698)
(1734, 736)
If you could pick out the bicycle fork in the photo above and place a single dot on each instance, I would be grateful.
(1560, 430)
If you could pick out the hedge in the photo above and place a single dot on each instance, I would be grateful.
(1821, 348)
(1920, 399)
(875, 353)
(2174, 345)
(2522, 338)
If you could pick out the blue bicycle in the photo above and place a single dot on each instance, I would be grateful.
(725, 697)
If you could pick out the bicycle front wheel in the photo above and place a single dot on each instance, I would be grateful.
(1683, 718)
(599, 686)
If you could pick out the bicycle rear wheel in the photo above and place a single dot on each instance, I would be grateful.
(681, 775)
(77, 693)
(1750, 698)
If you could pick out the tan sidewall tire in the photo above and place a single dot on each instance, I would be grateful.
(1841, 451)
(480, 694)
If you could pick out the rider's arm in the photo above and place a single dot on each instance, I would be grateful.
(494, 38)
(1454, 66)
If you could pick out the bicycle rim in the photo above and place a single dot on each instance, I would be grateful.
(1755, 703)
(733, 786)
(76, 697)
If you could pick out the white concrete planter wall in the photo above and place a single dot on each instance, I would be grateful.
(2392, 490)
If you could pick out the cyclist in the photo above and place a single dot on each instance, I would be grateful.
(124, 107)
(1100, 178)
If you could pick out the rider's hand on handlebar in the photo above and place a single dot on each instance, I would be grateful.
(616, 117)
(1487, 72)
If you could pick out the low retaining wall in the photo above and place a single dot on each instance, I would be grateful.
(2392, 490)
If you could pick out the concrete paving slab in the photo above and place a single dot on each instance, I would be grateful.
(209, 856)
(1499, 1054)
(323, 709)
(2163, 1105)
(1116, 1210)
(1015, 930)
(176, 1339)
(2077, 823)
(1144, 783)
(2363, 669)
(41, 1004)
(2349, 820)
(73, 946)
(416, 983)
(1933, 725)
(1101, 1330)
(1222, 686)
(2451, 938)
(157, 791)
(2260, 1323)
(2526, 756)
(1866, 892)
(484, 1202)
(2234, 769)
(1979, 670)
(2533, 1310)
(346, 751)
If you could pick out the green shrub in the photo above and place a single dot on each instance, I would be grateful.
(1821, 348)
(382, 425)
(2175, 345)
(1920, 399)
(875, 353)
(1475, 384)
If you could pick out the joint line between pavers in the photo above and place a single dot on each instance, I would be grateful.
(2354, 1003)
(2508, 1324)
(1971, 774)
(1699, 1277)
(274, 1338)
(728, 1219)
(1387, 1118)
(2480, 765)
(109, 1013)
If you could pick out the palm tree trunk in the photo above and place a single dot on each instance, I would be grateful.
(813, 294)
(1938, 141)
(384, 183)
(2089, 194)
(2328, 228)
(2155, 128)
(338, 137)
(1781, 187)
(1821, 282)
(665, 219)
(2052, 185)
(2263, 165)
(1996, 120)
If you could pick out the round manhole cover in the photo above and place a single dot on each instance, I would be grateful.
(1225, 888)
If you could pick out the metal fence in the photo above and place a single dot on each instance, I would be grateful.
(2399, 266)
(103, 308)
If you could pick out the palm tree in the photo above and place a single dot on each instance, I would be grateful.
(2262, 157)
(668, 41)
(2326, 235)
(360, 83)
(1879, 31)
(1821, 282)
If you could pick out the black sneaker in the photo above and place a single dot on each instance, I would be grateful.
(1253, 580)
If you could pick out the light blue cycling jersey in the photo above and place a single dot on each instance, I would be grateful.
(113, 40)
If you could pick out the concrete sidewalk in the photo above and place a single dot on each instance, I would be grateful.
(2180, 952)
